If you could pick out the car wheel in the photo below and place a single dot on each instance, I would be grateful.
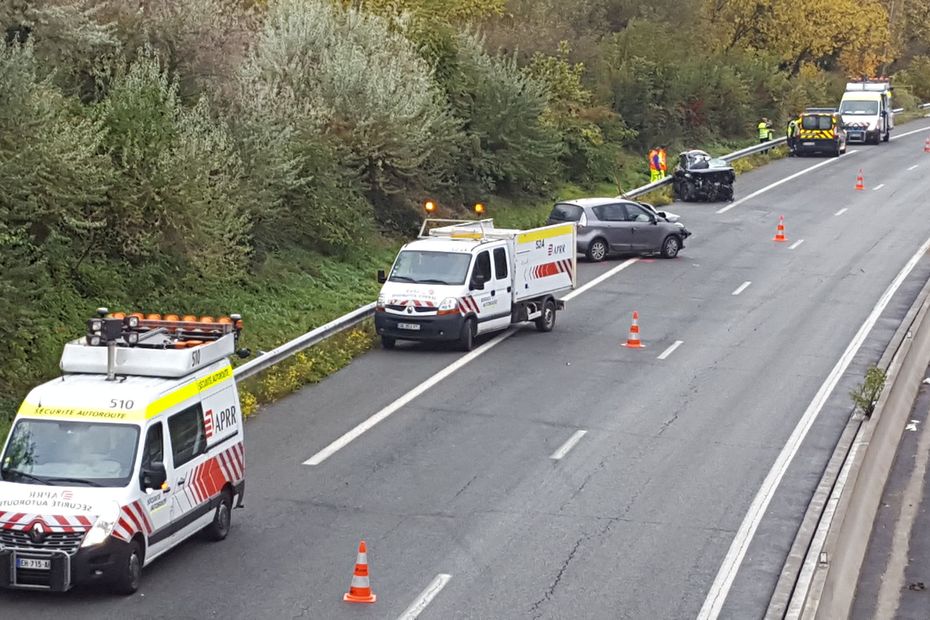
(671, 246)
(387, 342)
(467, 338)
(130, 576)
(222, 519)
(546, 322)
(597, 251)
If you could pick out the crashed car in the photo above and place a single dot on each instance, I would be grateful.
(698, 176)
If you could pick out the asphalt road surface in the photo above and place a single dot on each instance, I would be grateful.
(637, 517)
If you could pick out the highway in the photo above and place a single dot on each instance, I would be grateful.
(637, 516)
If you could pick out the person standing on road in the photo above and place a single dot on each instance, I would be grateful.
(654, 170)
(663, 161)
(792, 133)
(765, 130)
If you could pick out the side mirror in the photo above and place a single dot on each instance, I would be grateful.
(382, 277)
(477, 282)
(154, 476)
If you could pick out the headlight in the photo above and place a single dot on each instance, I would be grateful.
(687, 175)
(103, 527)
(381, 301)
(449, 305)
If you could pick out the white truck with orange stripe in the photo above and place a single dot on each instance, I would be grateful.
(135, 448)
(460, 279)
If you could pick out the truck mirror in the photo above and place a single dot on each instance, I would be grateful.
(382, 277)
(154, 475)
(477, 282)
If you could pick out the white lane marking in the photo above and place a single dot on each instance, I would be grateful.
(795, 245)
(717, 595)
(878, 187)
(426, 596)
(759, 192)
(742, 287)
(910, 133)
(356, 432)
(559, 454)
(670, 350)
(600, 278)
(914, 167)
(841, 211)
(359, 430)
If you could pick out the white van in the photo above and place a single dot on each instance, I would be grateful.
(135, 448)
(867, 111)
(467, 278)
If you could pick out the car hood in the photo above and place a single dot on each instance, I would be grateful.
(58, 507)
(430, 295)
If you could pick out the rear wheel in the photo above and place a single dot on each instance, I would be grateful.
(467, 338)
(546, 322)
(130, 573)
(222, 518)
(387, 342)
(597, 251)
(671, 246)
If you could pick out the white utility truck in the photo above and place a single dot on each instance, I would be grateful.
(867, 112)
(135, 448)
(464, 278)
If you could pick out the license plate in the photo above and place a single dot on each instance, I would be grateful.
(410, 326)
(33, 563)
(808, 144)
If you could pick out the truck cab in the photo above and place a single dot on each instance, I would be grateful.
(462, 279)
(866, 110)
(135, 448)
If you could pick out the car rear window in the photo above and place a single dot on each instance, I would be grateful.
(817, 122)
(566, 212)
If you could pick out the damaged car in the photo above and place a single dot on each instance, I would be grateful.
(699, 176)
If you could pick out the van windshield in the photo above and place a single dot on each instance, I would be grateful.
(441, 268)
(865, 108)
(68, 453)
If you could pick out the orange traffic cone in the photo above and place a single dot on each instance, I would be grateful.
(360, 590)
(860, 181)
(780, 230)
(927, 146)
(633, 342)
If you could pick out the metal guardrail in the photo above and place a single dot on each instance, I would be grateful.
(746, 152)
(923, 106)
(267, 360)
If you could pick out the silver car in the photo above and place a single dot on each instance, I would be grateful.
(616, 226)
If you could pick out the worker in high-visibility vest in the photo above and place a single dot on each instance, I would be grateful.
(663, 161)
(794, 129)
(654, 170)
(765, 130)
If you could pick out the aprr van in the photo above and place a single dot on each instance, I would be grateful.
(135, 448)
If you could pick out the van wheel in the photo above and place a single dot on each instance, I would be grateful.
(670, 247)
(546, 322)
(222, 518)
(467, 338)
(387, 342)
(597, 251)
(130, 575)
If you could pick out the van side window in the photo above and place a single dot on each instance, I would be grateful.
(154, 450)
(483, 265)
(188, 438)
(500, 263)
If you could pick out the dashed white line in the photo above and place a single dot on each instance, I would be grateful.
(671, 349)
(878, 187)
(796, 244)
(733, 205)
(452, 368)
(914, 167)
(841, 211)
(717, 595)
(742, 287)
(426, 596)
(559, 454)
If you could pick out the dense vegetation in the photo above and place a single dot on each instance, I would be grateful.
(217, 155)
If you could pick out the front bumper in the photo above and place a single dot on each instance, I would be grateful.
(98, 564)
(861, 135)
(431, 328)
(817, 145)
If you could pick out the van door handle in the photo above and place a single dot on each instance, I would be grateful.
(493, 293)
(180, 482)
(508, 289)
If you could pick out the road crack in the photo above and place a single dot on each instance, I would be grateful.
(534, 609)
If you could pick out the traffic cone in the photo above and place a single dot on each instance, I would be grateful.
(780, 230)
(360, 590)
(927, 146)
(633, 342)
(860, 181)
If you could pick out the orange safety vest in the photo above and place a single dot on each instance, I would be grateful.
(663, 165)
(653, 154)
